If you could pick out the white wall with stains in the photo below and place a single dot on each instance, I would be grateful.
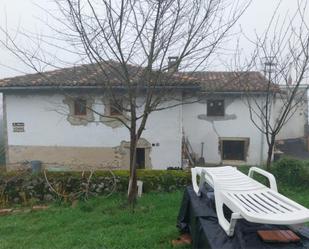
(235, 124)
(46, 124)
(298, 118)
(45, 119)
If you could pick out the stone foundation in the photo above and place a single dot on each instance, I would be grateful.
(72, 158)
(75, 158)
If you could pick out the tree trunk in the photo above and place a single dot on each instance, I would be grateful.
(270, 153)
(132, 188)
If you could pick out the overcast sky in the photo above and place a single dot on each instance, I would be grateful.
(26, 14)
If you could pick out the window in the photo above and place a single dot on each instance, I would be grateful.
(116, 109)
(80, 108)
(233, 150)
(215, 107)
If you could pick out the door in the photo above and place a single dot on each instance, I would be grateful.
(140, 158)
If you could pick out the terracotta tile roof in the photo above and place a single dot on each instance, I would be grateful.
(85, 75)
(233, 81)
(91, 76)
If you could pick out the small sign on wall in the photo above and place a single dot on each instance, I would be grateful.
(18, 127)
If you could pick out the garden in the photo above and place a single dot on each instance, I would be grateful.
(89, 210)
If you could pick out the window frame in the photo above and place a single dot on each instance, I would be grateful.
(212, 111)
(246, 144)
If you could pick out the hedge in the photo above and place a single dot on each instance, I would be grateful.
(27, 189)
(293, 172)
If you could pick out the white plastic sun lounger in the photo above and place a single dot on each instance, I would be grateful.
(247, 198)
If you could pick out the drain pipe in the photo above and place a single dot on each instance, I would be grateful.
(262, 148)
(262, 142)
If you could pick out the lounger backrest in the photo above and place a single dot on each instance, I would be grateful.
(230, 178)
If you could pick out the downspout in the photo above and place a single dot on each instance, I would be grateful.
(5, 130)
(181, 130)
(262, 148)
(306, 133)
(262, 142)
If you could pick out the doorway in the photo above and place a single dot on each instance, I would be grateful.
(140, 158)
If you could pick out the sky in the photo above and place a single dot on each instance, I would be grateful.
(28, 15)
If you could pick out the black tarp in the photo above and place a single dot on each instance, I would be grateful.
(197, 216)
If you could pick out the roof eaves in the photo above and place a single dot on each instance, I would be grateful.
(8, 88)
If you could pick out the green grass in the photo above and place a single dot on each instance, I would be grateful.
(298, 194)
(97, 224)
(104, 224)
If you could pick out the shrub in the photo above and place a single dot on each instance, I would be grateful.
(291, 171)
(25, 188)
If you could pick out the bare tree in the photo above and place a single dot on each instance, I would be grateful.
(283, 50)
(129, 42)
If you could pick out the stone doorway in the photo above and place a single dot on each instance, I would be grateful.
(140, 158)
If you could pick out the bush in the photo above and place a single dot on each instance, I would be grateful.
(292, 171)
(25, 188)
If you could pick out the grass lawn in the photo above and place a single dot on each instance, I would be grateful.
(103, 224)
(98, 224)
(297, 194)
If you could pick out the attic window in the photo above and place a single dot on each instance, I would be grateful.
(215, 108)
(80, 107)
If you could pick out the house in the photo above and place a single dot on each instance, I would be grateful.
(44, 120)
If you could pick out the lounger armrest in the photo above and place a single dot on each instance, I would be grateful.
(194, 173)
(198, 171)
(269, 176)
(211, 178)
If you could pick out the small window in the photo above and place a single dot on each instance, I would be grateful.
(80, 108)
(116, 109)
(233, 150)
(215, 107)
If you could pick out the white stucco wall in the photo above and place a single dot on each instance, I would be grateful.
(295, 125)
(45, 119)
(236, 123)
(44, 116)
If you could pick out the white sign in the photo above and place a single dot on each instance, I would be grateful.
(18, 127)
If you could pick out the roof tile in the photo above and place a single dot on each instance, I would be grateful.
(92, 75)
